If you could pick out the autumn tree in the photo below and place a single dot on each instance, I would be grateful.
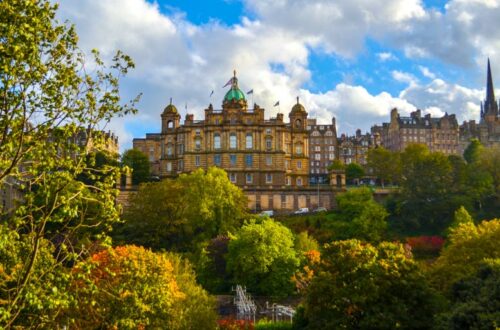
(130, 287)
(50, 92)
(360, 286)
(262, 257)
(469, 245)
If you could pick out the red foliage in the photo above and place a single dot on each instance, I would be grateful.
(233, 324)
(425, 244)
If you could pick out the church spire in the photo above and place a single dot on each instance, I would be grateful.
(490, 104)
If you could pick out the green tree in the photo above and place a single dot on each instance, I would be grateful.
(180, 214)
(475, 300)
(47, 99)
(139, 163)
(427, 199)
(366, 218)
(354, 172)
(336, 165)
(469, 245)
(360, 286)
(473, 150)
(262, 257)
(384, 164)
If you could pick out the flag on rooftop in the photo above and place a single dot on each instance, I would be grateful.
(229, 82)
(276, 104)
(250, 92)
(212, 93)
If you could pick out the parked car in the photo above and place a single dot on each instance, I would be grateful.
(302, 210)
(268, 213)
(320, 209)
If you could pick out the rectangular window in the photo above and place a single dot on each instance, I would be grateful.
(217, 160)
(232, 160)
(232, 177)
(249, 141)
(269, 160)
(288, 181)
(197, 144)
(287, 164)
(299, 164)
(249, 178)
(317, 156)
(269, 178)
(216, 141)
(233, 141)
(331, 148)
(169, 167)
(331, 156)
(317, 148)
(197, 160)
(180, 165)
(299, 181)
(249, 160)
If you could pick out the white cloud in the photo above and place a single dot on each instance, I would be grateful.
(426, 72)
(438, 97)
(175, 58)
(386, 56)
(404, 77)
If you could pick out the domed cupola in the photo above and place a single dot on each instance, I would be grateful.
(170, 109)
(170, 118)
(234, 96)
(298, 116)
(298, 108)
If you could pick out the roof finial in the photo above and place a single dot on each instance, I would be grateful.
(234, 72)
(297, 100)
(170, 101)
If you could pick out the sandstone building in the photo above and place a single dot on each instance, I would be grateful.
(254, 151)
(438, 134)
(488, 129)
(323, 150)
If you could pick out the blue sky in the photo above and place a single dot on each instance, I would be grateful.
(352, 59)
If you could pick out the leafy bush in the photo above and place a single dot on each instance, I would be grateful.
(425, 245)
(233, 324)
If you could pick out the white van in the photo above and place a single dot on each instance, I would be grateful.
(268, 213)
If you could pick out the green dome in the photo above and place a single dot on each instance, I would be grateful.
(234, 94)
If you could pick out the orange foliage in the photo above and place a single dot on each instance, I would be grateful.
(304, 276)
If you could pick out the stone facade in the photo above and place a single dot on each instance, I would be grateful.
(323, 150)
(438, 134)
(354, 149)
(254, 151)
(488, 129)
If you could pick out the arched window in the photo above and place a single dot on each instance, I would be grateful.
(298, 123)
(197, 143)
(169, 150)
(216, 141)
(170, 124)
(249, 141)
(233, 141)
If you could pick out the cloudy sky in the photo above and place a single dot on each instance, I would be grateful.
(352, 59)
